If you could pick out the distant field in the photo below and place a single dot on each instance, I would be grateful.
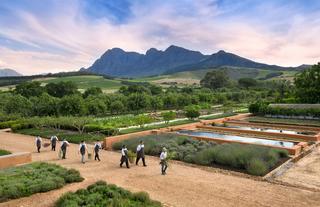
(179, 79)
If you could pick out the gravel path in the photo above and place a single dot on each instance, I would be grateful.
(183, 186)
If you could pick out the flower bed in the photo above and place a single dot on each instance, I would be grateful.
(103, 194)
(33, 178)
(254, 160)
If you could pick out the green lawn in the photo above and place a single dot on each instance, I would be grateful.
(71, 136)
(259, 119)
(34, 178)
(87, 81)
(4, 152)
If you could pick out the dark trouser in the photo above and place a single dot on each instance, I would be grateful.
(96, 156)
(143, 160)
(164, 167)
(53, 147)
(64, 152)
(124, 159)
(38, 148)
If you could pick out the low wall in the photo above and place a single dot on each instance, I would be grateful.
(15, 159)
(275, 126)
(261, 133)
(295, 150)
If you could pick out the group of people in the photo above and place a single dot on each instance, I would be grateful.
(64, 145)
(140, 155)
(83, 150)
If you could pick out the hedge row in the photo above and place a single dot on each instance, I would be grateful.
(263, 109)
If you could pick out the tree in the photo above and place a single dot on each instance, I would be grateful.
(72, 105)
(93, 91)
(307, 85)
(155, 90)
(61, 89)
(170, 100)
(19, 105)
(142, 119)
(156, 103)
(138, 101)
(44, 105)
(192, 112)
(29, 89)
(215, 79)
(116, 107)
(80, 122)
(247, 82)
(168, 116)
(96, 106)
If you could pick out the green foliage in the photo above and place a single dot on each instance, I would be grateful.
(93, 91)
(215, 79)
(61, 89)
(18, 105)
(307, 85)
(247, 82)
(4, 152)
(255, 160)
(33, 178)
(72, 105)
(192, 112)
(29, 89)
(142, 119)
(168, 116)
(102, 194)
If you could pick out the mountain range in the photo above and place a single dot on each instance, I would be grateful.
(8, 73)
(117, 62)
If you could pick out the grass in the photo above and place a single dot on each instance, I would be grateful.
(71, 136)
(34, 178)
(158, 126)
(258, 119)
(87, 81)
(103, 194)
(254, 160)
(4, 152)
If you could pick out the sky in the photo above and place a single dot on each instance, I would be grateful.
(42, 36)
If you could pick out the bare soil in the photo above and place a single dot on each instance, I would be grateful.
(306, 172)
(183, 185)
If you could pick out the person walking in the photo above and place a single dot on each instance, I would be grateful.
(163, 161)
(63, 148)
(53, 141)
(124, 156)
(38, 143)
(82, 150)
(140, 154)
(96, 148)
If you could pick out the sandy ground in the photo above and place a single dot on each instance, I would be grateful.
(183, 185)
(306, 172)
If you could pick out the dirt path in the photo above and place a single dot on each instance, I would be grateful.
(183, 186)
(306, 172)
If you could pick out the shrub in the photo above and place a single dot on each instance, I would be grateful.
(33, 178)
(4, 152)
(192, 112)
(102, 194)
(256, 167)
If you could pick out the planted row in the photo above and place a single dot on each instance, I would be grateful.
(255, 160)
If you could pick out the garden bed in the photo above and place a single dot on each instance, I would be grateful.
(260, 119)
(254, 160)
(71, 136)
(103, 194)
(34, 178)
(4, 152)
